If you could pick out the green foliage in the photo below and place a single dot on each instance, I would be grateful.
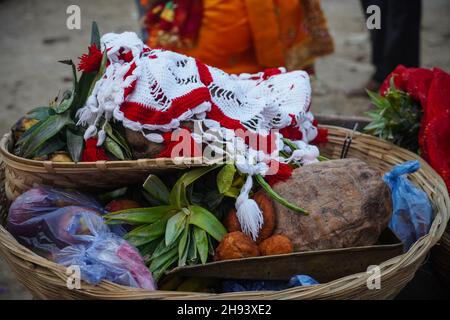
(182, 229)
(396, 118)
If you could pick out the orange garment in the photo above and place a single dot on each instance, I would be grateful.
(250, 35)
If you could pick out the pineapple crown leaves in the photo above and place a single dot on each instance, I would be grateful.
(395, 118)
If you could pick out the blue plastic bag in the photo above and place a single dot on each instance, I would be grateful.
(412, 213)
(67, 227)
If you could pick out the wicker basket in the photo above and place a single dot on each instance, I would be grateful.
(21, 174)
(47, 280)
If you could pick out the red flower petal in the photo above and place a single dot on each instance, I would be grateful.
(91, 62)
(283, 172)
(93, 153)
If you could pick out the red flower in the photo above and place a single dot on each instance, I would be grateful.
(322, 134)
(93, 153)
(91, 62)
(281, 172)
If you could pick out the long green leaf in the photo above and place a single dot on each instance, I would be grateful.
(175, 226)
(40, 113)
(117, 137)
(163, 262)
(183, 246)
(225, 177)
(201, 241)
(46, 130)
(84, 85)
(177, 195)
(205, 220)
(75, 144)
(378, 100)
(139, 215)
(100, 73)
(95, 35)
(53, 145)
(192, 257)
(114, 148)
(277, 197)
(146, 233)
(156, 189)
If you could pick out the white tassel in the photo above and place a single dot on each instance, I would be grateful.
(90, 132)
(101, 137)
(154, 137)
(249, 215)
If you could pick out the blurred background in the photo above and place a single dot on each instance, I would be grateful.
(34, 37)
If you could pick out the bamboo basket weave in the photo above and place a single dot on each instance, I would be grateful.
(47, 280)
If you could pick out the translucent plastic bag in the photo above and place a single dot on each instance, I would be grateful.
(412, 213)
(67, 227)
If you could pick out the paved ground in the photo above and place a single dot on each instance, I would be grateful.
(34, 36)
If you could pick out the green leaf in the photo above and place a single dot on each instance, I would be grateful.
(147, 249)
(53, 145)
(163, 262)
(69, 101)
(100, 72)
(114, 148)
(277, 197)
(192, 257)
(201, 241)
(177, 195)
(156, 189)
(84, 85)
(146, 233)
(161, 249)
(95, 35)
(225, 177)
(46, 130)
(175, 226)
(205, 220)
(117, 137)
(40, 113)
(75, 145)
(232, 192)
(139, 215)
(183, 246)
(378, 100)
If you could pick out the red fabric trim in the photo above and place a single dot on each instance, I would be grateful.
(131, 87)
(271, 72)
(147, 115)
(229, 123)
(205, 75)
(195, 148)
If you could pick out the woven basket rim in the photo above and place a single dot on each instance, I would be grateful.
(336, 288)
(55, 167)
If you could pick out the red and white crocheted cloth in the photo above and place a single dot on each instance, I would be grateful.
(152, 91)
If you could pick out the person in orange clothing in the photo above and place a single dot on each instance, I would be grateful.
(240, 36)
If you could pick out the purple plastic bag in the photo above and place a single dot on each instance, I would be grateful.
(67, 227)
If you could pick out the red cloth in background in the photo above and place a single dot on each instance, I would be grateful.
(432, 89)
